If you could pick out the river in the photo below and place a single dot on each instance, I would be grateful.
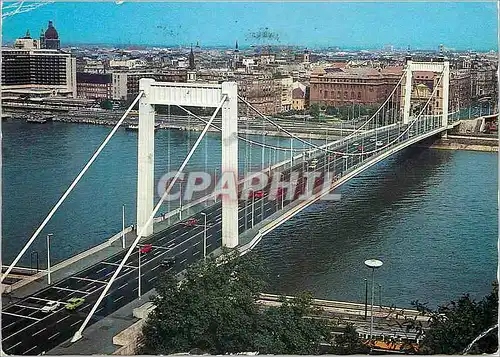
(429, 215)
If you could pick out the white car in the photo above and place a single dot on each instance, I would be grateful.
(50, 306)
(314, 161)
(379, 143)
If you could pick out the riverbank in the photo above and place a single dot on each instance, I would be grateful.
(470, 143)
(310, 134)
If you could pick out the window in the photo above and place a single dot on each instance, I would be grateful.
(359, 95)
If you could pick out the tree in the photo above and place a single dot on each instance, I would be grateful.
(106, 104)
(454, 326)
(214, 309)
(349, 342)
(314, 109)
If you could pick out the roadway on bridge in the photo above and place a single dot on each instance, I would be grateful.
(26, 330)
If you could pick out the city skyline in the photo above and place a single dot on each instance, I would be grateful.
(312, 25)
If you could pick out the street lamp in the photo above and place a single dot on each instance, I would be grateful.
(373, 264)
(48, 257)
(123, 226)
(180, 200)
(205, 237)
(139, 269)
(366, 298)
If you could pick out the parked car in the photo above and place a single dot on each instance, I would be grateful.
(312, 167)
(360, 147)
(379, 143)
(73, 303)
(50, 306)
(146, 248)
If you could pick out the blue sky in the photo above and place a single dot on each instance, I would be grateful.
(355, 25)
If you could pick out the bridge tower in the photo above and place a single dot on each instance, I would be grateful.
(191, 95)
(443, 90)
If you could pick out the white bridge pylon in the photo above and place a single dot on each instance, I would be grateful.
(436, 67)
(192, 95)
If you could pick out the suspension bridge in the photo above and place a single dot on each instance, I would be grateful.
(306, 173)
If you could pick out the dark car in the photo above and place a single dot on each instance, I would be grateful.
(168, 263)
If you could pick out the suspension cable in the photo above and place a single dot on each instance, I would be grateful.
(140, 233)
(239, 136)
(71, 187)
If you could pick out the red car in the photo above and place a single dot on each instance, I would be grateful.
(191, 222)
(360, 148)
(331, 157)
(257, 194)
(146, 248)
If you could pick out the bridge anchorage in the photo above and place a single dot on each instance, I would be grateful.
(402, 120)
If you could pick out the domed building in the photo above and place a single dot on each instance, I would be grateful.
(50, 39)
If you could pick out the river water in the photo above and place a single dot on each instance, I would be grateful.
(429, 215)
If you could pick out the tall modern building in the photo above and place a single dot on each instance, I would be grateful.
(50, 39)
(38, 72)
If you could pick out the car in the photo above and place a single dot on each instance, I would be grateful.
(355, 144)
(191, 222)
(73, 303)
(146, 248)
(360, 147)
(258, 194)
(50, 306)
(312, 167)
(379, 143)
(331, 157)
(168, 263)
(314, 161)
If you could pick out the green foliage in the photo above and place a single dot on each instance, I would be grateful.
(349, 342)
(215, 310)
(106, 104)
(454, 326)
(314, 110)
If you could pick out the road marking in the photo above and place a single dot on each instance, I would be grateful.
(196, 252)
(122, 286)
(194, 245)
(182, 261)
(171, 245)
(35, 298)
(184, 251)
(92, 280)
(25, 317)
(64, 318)
(27, 307)
(153, 278)
(100, 270)
(208, 245)
(121, 297)
(54, 335)
(156, 267)
(72, 290)
(74, 323)
(15, 344)
(115, 264)
(32, 348)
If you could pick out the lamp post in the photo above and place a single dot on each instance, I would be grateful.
(123, 226)
(366, 298)
(373, 264)
(180, 200)
(253, 208)
(139, 269)
(205, 237)
(48, 257)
